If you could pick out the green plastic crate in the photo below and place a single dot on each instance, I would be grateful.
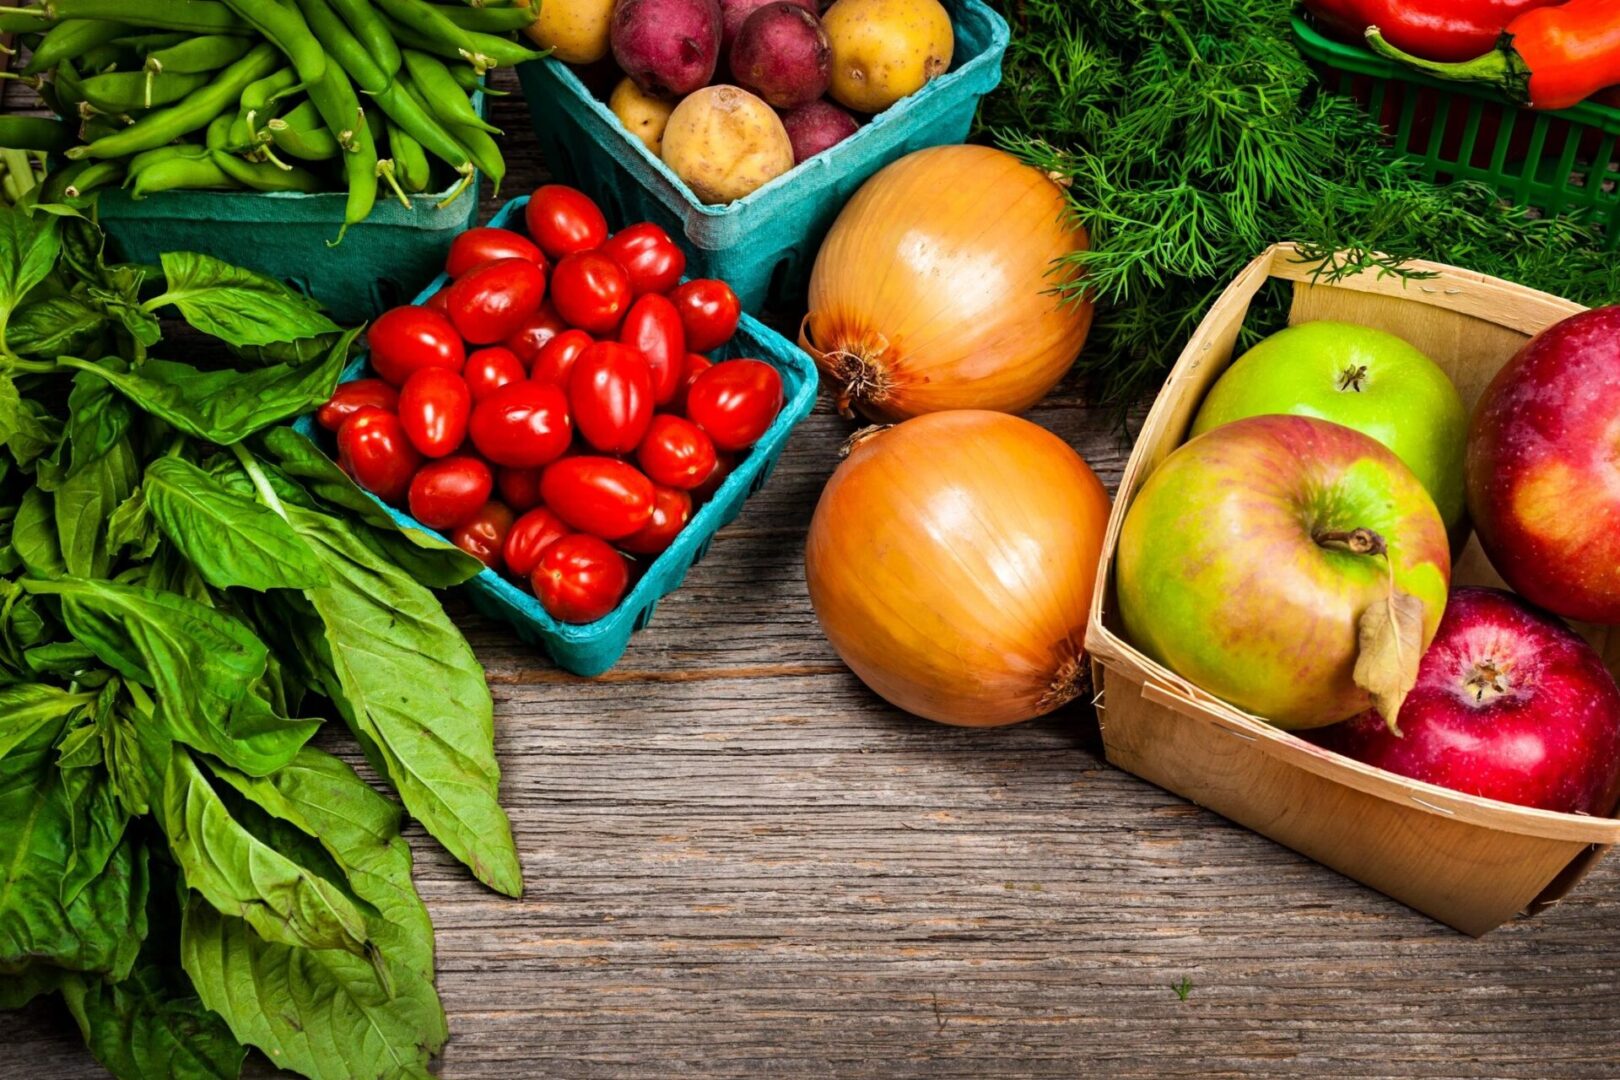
(763, 245)
(1558, 162)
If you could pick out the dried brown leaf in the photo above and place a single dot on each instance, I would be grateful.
(1391, 645)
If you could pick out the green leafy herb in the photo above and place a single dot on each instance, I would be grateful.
(237, 306)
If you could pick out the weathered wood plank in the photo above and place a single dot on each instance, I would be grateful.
(739, 862)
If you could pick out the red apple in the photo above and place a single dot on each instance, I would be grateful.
(1544, 468)
(1510, 704)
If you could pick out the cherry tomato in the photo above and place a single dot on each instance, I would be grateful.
(653, 328)
(653, 261)
(610, 395)
(489, 302)
(407, 338)
(436, 302)
(490, 369)
(735, 402)
(580, 579)
(710, 312)
(556, 361)
(484, 534)
(530, 536)
(349, 397)
(724, 464)
(374, 449)
(599, 495)
(672, 510)
(591, 291)
(523, 424)
(433, 406)
(446, 493)
(695, 365)
(563, 220)
(487, 244)
(534, 332)
(520, 488)
(676, 453)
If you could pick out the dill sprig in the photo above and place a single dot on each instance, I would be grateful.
(1193, 135)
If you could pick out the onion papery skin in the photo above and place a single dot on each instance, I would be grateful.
(935, 288)
(951, 561)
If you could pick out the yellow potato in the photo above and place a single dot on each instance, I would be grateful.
(576, 31)
(642, 115)
(725, 142)
(883, 50)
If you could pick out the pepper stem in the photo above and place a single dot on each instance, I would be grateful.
(1502, 67)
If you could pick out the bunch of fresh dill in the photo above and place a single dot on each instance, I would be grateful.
(1195, 135)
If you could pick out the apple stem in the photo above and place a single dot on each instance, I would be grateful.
(1356, 541)
(1352, 378)
(1487, 678)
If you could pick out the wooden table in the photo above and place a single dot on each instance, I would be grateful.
(741, 863)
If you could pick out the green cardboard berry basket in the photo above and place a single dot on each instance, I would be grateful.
(381, 263)
(593, 648)
(1558, 162)
(764, 245)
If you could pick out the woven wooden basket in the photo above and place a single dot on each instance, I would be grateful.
(1471, 863)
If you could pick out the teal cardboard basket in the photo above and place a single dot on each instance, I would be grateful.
(381, 263)
(764, 245)
(592, 648)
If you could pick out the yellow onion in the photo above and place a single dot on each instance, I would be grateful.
(934, 289)
(951, 561)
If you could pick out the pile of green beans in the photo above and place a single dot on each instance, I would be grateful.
(371, 97)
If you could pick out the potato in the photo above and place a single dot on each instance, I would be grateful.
(816, 127)
(670, 47)
(725, 142)
(642, 115)
(782, 54)
(883, 50)
(576, 31)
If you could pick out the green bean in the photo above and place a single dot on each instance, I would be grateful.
(130, 91)
(488, 50)
(428, 21)
(18, 21)
(139, 162)
(108, 57)
(199, 54)
(66, 88)
(98, 174)
(151, 41)
(35, 133)
(265, 176)
(443, 95)
(186, 16)
(98, 126)
(301, 134)
(491, 20)
(372, 32)
(472, 82)
(283, 26)
(411, 163)
(71, 39)
(484, 151)
(340, 109)
(257, 106)
(182, 174)
(189, 114)
(54, 189)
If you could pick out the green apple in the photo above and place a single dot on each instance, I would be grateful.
(1365, 379)
(1239, 568)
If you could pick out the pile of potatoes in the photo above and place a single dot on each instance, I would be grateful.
(733, 93)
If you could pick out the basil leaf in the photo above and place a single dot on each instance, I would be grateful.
(241, 876)
(131, 526)
(23, 425)
(96, 823)
(226, 406)
(142, 1027)
(330, 1015)
(201, 663)
(28, 249)
(427, 558)
(407, 684)
(230, 539)
(27, 707)
(236, 305)
(100, 928)
(84, 502)
(33, 535)
(53, 326)
(98, 416)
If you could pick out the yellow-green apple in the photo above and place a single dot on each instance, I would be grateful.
(1510, 704)
(1544, 468)
(1360, 377)
(1249, 558)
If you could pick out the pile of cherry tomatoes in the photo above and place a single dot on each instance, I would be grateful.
(556, 435)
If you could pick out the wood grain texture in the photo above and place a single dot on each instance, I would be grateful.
(739, 863)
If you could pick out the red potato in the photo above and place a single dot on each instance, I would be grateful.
(783, 55)
(817, 126)
(733, 13)
(669, 47)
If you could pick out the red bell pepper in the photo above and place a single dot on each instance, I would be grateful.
(1547, 58)
(1445, 30)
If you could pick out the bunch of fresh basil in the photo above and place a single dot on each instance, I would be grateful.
(186, 590)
